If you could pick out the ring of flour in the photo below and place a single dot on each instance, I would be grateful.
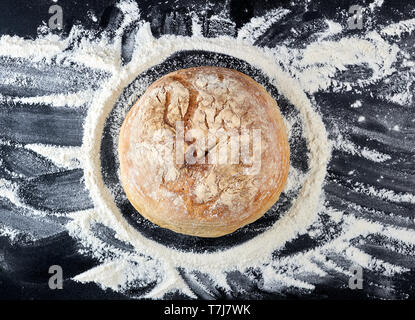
(257, 250)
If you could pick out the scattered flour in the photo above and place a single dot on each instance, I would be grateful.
(77, 99)
(66, 157)
(397, 29)
(376, 4)
(349, 147)
(258, 25)
(356, 104)
(385, 194)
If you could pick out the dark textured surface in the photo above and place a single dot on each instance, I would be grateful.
(21, 124)
(24, 265)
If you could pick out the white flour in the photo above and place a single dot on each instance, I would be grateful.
(62, 100)
(350, 147)
(397, 29)
(66, 157)
(294, 72)
(257, 26)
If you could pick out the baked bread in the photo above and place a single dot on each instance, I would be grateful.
(204, 151)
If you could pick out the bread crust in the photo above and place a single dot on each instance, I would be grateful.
(203, 199)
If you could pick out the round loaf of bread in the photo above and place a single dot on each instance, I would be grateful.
(204, 151)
